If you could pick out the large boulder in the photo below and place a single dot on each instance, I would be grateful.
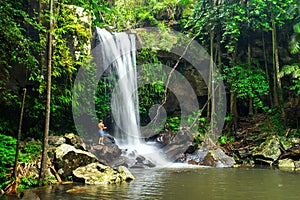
(177, 145)
(297, 166)
(217, 158)
(75, 141)
(108, 154)
(269, 151)
(56, 141)
(197, 157)
(67, 158)
(286, 164)
(142, 162)
(96, 173)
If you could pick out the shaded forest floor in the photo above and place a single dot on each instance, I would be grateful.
(255, 130)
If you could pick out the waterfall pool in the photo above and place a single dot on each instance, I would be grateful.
(185, 183)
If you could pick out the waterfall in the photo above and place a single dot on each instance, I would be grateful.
(120, 50)
(124, 102)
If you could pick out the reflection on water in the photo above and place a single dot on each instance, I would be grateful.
(186, 183)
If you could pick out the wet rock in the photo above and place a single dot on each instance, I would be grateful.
(295, 141)
(197, 157)
(67, 158)
(142, 162)
(125, 174)
(286, 164)
(96, 173)
(297, 166)
(217, 158)
(269, 151)
(107, 153)
(75, 141)
(177, 145)
(286, 144)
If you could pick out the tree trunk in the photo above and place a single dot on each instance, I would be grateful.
(47, 120)
(249, 63)
(276, 84)
(212, 88)
(266, 69)
(210, 78)
(19, 135)
(250, 106)
(233, 109)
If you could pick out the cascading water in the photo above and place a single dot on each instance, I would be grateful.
(124, 103)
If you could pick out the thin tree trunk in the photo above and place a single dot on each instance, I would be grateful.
(233, 96)
(275, 65)
(278, 88)
(19, 134)
(47, 120)
(233, 109)
(249, 63)
(266, 69)
(250, 106)
(210, 78)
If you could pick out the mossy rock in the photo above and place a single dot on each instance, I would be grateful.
(286, 164)
(96, 173)
(268, 151)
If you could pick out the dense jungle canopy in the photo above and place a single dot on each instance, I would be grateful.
(255, 44)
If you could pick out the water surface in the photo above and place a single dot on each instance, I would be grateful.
(187, 183)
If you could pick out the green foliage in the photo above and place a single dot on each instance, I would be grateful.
(201, 124)
(130, 14)
(102, 99)
(224, 139)
(17, 54)
(173, 123)
(7, 156)
(31, 151)
(27, 182)
(294, 71)
(247, 81)
(197, 139)
(28, 154)
(151, 73)
(274, 123)
(277, 125)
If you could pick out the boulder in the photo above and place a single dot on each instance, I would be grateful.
(142, 162)
(108, 154)
(286, 164)
(197, 157)
(125, 174)
(297, 166)
(56, 141)
(217, 158)
(269, 151)
(177, 145)
(67, 158)
(286, 145)
(96, 173)
(75, 141)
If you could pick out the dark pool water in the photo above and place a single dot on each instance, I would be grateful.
(185, 183)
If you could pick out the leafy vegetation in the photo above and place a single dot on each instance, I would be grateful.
(29, 153)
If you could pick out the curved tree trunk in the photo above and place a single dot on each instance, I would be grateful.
(19, 135)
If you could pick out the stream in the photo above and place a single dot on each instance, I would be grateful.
(185, 183)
